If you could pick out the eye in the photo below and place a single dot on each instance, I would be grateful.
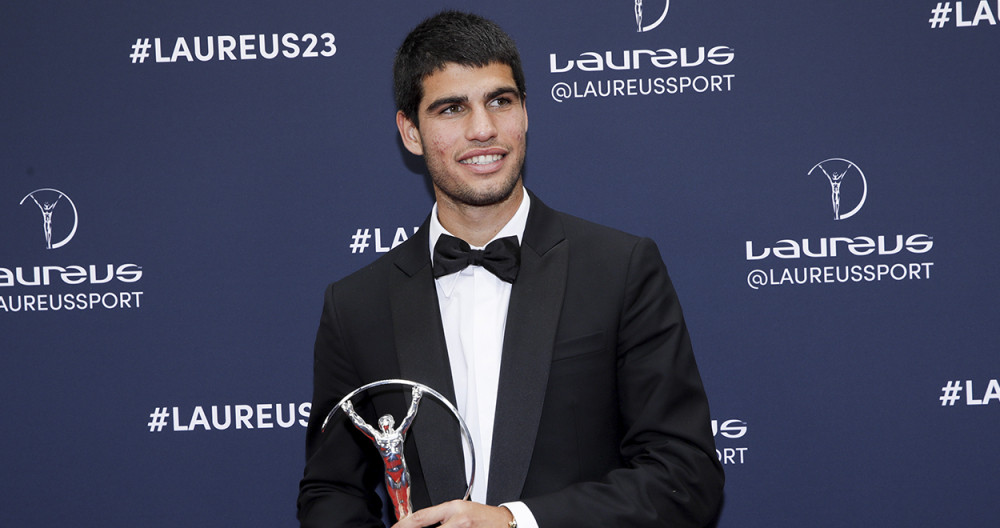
(501, 101)
(451, 109)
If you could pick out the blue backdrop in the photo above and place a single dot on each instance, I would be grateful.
(180, 180)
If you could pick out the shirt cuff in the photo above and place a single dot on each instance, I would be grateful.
(521, 514)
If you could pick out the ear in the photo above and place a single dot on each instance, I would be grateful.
(409, 133)
(524, 106)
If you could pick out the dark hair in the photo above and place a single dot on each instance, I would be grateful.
(449, 37)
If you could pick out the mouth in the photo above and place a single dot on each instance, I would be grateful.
(484, 159)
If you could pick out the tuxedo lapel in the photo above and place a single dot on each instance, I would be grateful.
(532, 319)
(423, 357)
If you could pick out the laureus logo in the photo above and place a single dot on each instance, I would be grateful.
(836, 171)
(640, 16)
(47, 200)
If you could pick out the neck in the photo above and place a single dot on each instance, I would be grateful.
(477, 225)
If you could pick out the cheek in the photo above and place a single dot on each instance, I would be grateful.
(516, 130)
(439, 144)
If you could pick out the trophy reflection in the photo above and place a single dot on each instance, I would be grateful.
(389, 441)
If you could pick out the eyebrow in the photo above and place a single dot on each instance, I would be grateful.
(462, 99)
(503, 90)
(455, 99)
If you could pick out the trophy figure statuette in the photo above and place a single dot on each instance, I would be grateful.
(389, 439)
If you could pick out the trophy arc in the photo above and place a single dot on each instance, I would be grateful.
(466, 435)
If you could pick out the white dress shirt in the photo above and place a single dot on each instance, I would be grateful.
(474, 315)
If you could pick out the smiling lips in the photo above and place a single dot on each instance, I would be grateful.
(484, 159)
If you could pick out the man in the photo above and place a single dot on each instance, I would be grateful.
(570, 361)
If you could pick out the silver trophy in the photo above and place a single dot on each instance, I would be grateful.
(388, 439)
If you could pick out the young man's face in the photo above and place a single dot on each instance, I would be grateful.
(472, 133)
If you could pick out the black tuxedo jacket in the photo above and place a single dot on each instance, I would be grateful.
(601, 418)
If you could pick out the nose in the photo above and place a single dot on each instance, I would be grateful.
(481, 126)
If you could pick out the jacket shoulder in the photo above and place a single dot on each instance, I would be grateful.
(579, 230)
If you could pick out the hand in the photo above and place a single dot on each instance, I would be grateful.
(348, 407)
(458, 513)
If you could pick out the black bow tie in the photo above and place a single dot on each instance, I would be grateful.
(502, 257)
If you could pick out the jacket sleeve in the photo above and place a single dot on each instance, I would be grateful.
(341, 472)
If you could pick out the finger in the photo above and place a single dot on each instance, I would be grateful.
(426, 517)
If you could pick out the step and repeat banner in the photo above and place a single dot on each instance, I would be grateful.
(180, 180)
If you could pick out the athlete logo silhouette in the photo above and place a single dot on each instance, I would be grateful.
(47, 207)
(47, 218)
(835, 180)
(389, 442)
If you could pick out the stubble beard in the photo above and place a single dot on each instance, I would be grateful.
(462, 194)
